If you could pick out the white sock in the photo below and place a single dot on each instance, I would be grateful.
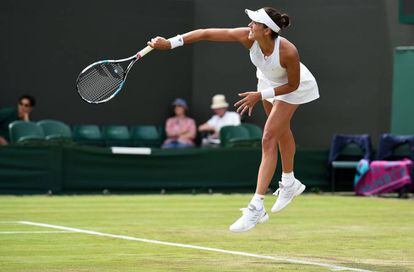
(257, 201)
(288, 178)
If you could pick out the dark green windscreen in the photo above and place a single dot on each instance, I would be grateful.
(402, 112)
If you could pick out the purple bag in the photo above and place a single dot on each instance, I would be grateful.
(384, 177)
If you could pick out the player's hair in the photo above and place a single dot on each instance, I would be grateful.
(28, 97)
(281, 19)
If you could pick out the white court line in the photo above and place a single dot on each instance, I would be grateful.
(240, 253)
(34, 232)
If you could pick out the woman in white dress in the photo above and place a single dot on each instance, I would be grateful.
(283, 84)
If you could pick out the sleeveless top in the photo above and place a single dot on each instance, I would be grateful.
(271, 74)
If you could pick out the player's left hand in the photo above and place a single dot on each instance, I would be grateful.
(248, 101)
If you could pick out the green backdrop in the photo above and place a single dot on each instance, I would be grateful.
(38, 169)
(402, 112)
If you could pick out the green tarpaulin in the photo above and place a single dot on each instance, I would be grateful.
(79, 168)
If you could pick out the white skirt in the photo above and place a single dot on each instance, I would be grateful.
(306, 92)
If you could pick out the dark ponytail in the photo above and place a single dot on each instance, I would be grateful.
(281, 19)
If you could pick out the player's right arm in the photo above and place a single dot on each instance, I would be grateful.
(210, 34)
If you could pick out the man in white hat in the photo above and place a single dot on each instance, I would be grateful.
(221, 118)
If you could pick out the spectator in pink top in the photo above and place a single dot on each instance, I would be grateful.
(180, 129)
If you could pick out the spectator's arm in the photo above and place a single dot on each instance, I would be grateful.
(190, 133)
(169, 129)
(206, 127)
(25, 117)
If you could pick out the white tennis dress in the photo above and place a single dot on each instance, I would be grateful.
(271, 74)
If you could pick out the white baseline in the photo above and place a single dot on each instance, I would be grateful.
(240, 253)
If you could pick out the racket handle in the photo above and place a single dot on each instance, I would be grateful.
(144, 51)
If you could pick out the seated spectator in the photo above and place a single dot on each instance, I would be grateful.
(21, 112)
(180, 129)
(221, 118)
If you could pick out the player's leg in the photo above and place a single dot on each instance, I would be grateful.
(267, 106)
(278, 122)
(287, 149)
(289, 187)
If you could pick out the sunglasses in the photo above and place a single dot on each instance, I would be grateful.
(25, 105)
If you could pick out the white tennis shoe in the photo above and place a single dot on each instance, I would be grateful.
(286, 194)
(251, 216)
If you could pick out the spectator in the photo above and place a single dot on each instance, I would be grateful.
(221, 118)
(22, 112)
(180, 129)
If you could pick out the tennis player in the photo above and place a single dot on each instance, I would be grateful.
(284, 83)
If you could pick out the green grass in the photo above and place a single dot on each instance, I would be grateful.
(369, 233)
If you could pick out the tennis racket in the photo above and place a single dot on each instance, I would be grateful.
(102, 80)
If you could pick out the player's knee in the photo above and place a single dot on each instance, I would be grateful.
(269, 142)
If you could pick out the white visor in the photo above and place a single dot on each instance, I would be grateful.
(261, 16)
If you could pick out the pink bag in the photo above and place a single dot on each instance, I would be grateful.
(384, 177)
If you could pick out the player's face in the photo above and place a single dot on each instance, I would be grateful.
(256, 30)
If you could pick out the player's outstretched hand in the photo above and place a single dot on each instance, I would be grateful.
(248, 101)
(159, 43)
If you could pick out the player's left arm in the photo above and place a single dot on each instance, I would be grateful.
(291, 62)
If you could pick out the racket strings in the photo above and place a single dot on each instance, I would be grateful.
(97, 87)
(101, 81)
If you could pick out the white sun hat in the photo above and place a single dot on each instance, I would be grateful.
(262, 17)
(218, 102)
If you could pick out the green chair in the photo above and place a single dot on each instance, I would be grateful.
(88, 135)
(23, 132)
(255, 132)
(348, 159)
(162, 133)
(402, 151)
(146, 136)
(234, 136)
(116, 135)
(55, 130)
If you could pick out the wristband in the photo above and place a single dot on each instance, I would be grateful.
(267, 93)
(176, 41)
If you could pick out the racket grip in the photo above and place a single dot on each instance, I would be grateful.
(144, 51)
